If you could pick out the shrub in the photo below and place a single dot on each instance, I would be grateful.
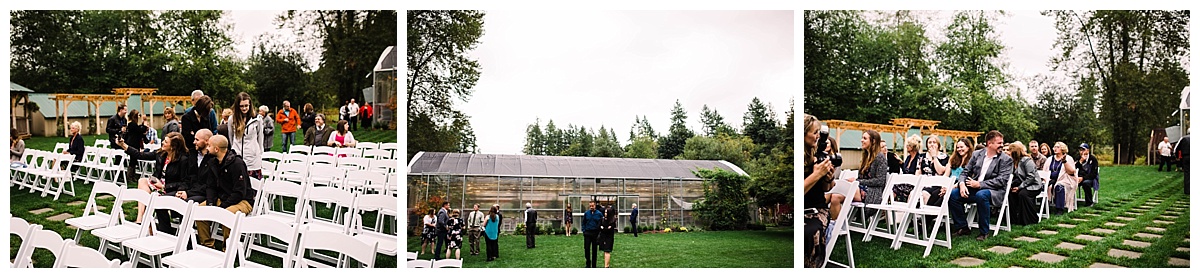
(667, 230)
(628, 229)
(520, 229)
(725, 205)
(683, 229)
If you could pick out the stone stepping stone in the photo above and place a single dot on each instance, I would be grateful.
(1178, 262)
(1079, 219)
(1047, 258)
(1064, 225)
(1145, 235)
(1116, 224)
(1167, 217)
(1027, 239)
(1001, 249)
(60, 217)
(1088, 237)
(1163, 222)
(1124, 218)
(76, 203)
(41, 210)
(1156, 229)
(1118, 253)
(105, 197)
(1047, 232)
(967, 262)
(1183, 249)
(1103, 231)
(1135, 243)
(1069, 246)
(1091, 215)
(1104, 265)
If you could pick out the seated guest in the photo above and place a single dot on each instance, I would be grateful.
(912, 158)
(229, 190)
(1088, 173)
(1045, 150)
(76, 146)
(342, 137)
(960, 157)
(172, 172)
(318, 134)
(818, 177)
(1026, 185)
(202, 160)
(1036, 155)
(934, 163)
(16, 150)
(988, 171)
(872, 176)
(1062, 179)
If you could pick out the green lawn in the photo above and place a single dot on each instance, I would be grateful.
(725, 249)
(1124, 190)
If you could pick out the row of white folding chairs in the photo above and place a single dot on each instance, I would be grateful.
(909, 211)
(362, 163)
(47, 172)
(446, 263)
(66, 253)
(374, 179)
(102, 165)
(270, 205)
(360, 149)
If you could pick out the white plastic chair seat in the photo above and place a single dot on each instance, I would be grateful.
(153, 245)
(118, 233)
(199, 257)
(386, 244)
(447, 263)
(411, 255)
(420, 264)
(90, 222)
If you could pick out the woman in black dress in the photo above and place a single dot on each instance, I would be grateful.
(608, 231)
(1026, 185)
(568, 219)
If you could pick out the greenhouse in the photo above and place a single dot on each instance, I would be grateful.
(664, 189)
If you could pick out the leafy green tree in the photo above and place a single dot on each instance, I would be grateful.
(642, 147)
(280, 73)
(350, 42)
(534, 140)
(581, 145)
(672, 145)
(726, 205)
(733, 148)
(439, 71)
(761, 126)
(713, 123)
(606, 145)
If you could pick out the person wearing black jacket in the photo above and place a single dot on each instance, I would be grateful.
(229, 190)
(1088, 169)
(116, 126)
(172, 173)
(196, 119)
(200, 159)
(443, 218)
(608, 232)
(1182, 155)
(76, 146)
(135, 134)
(530, 226)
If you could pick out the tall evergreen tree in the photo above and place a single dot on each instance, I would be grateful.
(672, 145)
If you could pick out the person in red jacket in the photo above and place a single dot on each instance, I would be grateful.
(288, 119)
(364, 113)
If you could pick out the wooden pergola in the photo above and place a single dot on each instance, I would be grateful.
(166, 100)
(62, 101)
(900, 126)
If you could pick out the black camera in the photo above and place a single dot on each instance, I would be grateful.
(822, 143)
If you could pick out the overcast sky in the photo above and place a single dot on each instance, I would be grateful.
(595, 68)
(249, 25)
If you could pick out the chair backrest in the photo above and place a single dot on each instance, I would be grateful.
(325, 174)
(60, 147)
(295, 157)
(847, 189)
(366, 180)
(272, 156)
(170, 203)
(44, 239)
(207, 213)
(894, 179)
(419, 264)
(277, 189)
(323, 150)
(377, 154)
(349, 152)
(1045, 178)
(127, 195)
(24, 231)
(300, 149)
(386, 166)
(389, 146)
(366, 145)
(75, 256)
(353, 163)
(339, 199)
(447, 263)
(101, 143)
(847, 174)
(100, 187)
(382, 203)
(939, 181)
(250, 227)
(321, 159)
(341, 243)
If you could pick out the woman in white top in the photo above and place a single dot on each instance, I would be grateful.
(1062, 179)
(245, 128)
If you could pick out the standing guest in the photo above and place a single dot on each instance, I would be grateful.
(1089, 171)
(208, 113)
(960, 157)
(76, 146)
(172, 120)
(268, 133)
(195, 119)
(229, 189)
(531, 229)
(608, 232)
(151, 134)
(364, 115)
(318, 134)
(429, 231)
(591, 233)
(17, 148)
(344, 111)
(454, 227)
(308, 118)
(492, 232)
(369, 115)
(342, 138)
(1182, 154)
(288, 120)
(633, 218)
(116, 126)
(443, 218)
(352, 111)
(223, 127)
(1036, 155)
(568, 219)
(1062, 179)
(1026, 185)
(134, 137)
(475, 222)
(247, 129)
(172, 173)
(1164, 154)
(988, 171)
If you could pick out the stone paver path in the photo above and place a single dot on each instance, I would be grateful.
(1115, 224)
(1104, 265)
(1135, 243)
(41, 210)
(60, 217)
(76, 203)
(1156, 229)
(1045, 232)
(1027, 239)
(1124, 218)
(1047, 258)
(1069, 246)
(1178, 262)
(1145, 235)
(1103, 231)
(1163, 222)
(1118, 253)
(1001, 249)
(1064, 225)
(967, 261)
(1183, 249)
(1088, 237)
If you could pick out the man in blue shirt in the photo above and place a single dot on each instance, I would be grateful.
(591, 230)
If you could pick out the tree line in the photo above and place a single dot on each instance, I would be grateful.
(179, 51)
(1123, 67)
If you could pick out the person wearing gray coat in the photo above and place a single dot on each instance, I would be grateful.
(268, 124)
(1026, 185)
(985, 176)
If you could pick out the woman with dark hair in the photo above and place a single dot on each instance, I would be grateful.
(608, 232)
(1026, 185)
(171, 171)
(308, 117)
(135, 135)
(196, 119)
(342, 137)
(960, 157)
(491, 231)
(246, 128)
(568, 219)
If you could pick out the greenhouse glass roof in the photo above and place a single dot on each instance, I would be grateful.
(431, 163)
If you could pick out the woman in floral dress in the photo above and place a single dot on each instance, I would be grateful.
(454, 229)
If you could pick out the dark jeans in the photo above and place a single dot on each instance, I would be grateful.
(164, 220)
(635, 228)
(353, 123)
(590, 248)
(441, 244)
(530, 232)
(288, 140)
(493, 248)
(1164, 161)
(983, 202)
(1087, 187)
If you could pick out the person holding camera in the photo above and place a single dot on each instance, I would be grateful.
(818, 179)
(172, 173)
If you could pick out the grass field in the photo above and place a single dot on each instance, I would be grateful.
(1154, 201)
(772, 248)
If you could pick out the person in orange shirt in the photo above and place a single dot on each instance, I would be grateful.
(288, 119)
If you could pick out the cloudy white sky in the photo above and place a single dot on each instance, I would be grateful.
(594, 68)
(249, 25)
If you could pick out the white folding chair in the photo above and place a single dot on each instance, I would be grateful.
(349, 152)
(447, 263)
(890, 207)
(296, 172)
(114, 169)
(75, 256)
(154, 243)
(93, 217)
(346, 246)
(120, 229)
(320, 159)
(1043, 198)
(325, 175)
(420, 263)
(841, 227)
(377, 154)
(300, 149)
(411, 255)
(341, 201)
(386, 166)
(366, 145)
(392, 147)
(41, 163)
(86, 164)
(323, 150)
(16, 175)
(102, 144)
(385, 207)
(60, 147)
(916, 216)
(295, 158)
(847, 174)
(1004, 215)
(24, 231)
(353, 163)
(201, 256)
(272, 156)
(98, 163)
(366, 182)
(271, 205)
(59, 179)
(283, 234)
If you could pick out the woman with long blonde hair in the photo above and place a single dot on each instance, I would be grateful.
(818, 177)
